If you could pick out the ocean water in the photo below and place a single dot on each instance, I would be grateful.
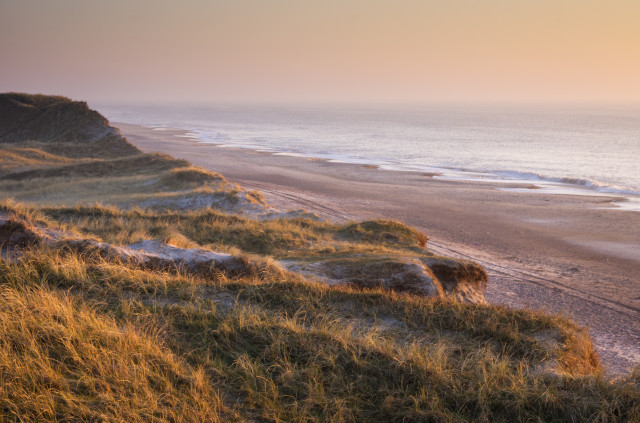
(563, 150)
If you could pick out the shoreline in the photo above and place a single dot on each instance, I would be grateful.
(561, 253)
(626, 198)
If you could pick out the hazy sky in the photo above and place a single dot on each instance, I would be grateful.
(323, 50)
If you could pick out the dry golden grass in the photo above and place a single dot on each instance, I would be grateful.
(87, 338)
(62, 361)
(298, 238)
(366, 254)
(151, 180)
(385, 231)
(51, 166)
(58, 152)
(15, 159)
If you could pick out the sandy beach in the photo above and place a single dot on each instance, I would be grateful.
(578, 255)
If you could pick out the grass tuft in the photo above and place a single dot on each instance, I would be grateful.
(384, 231)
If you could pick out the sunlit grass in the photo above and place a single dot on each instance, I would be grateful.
(83, 336)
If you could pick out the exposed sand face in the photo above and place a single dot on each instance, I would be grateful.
(576, 255)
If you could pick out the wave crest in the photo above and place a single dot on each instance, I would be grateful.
(584, 182)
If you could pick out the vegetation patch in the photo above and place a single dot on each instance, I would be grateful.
(83, 335)
(62, 360)
(384, 231)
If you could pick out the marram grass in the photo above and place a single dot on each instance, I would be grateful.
(83, 338)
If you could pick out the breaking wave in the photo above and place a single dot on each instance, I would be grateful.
(583, 182)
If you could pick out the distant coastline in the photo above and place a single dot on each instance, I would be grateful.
(499, 151)
(626, 198)
(617, 198)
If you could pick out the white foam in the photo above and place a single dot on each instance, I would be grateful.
(291, 154)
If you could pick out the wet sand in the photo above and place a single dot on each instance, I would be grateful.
(577, 255)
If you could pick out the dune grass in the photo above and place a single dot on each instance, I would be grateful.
(87, 338)
(152, 180)
(59, 126)
(14, 159)
(372, 253)
(63, 361)
(58, 152)
(282, 238)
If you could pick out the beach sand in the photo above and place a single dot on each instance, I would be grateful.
(577, 255)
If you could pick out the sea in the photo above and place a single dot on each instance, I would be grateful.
(559, 150)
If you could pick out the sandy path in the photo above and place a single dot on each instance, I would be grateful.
(574, 255)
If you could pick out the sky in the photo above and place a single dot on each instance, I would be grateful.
(379, 51)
